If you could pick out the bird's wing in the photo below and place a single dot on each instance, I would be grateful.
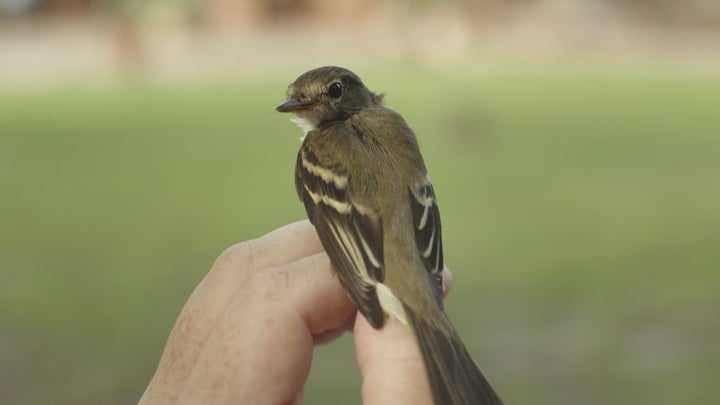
(351, 233)
(428, 235)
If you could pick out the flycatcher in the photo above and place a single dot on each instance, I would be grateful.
(364, 184)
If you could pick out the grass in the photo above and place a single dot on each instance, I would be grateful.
(580, 217)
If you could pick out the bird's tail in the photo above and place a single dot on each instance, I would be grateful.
(454, 377)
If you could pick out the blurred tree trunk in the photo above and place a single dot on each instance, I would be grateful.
(128, 47)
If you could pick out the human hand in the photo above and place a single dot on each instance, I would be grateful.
(246, 334)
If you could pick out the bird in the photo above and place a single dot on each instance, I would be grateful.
(365, 188)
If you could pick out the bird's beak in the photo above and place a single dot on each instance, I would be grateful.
(293, 105)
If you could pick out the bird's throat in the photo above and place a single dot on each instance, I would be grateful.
(306, 123)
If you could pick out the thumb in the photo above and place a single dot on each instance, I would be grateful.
(390, 363)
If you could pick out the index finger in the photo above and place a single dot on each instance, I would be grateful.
(216, 291)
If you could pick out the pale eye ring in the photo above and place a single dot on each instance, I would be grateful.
(335, 90)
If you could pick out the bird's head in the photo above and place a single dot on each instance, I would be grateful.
(327, 94)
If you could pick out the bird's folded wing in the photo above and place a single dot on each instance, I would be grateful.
(428, 235)
(351, 233)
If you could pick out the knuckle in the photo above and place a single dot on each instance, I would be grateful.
(238, 257)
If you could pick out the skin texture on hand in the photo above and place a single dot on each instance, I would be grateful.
(246, 334)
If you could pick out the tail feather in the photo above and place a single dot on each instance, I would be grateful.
(454, 377)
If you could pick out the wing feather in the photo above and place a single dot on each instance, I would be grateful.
(351, 233)
(428, 235)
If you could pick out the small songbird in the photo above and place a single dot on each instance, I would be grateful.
(364, 184)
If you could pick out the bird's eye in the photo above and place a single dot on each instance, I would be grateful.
(335, 90)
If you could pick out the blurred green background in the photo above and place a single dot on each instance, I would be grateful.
(579, 204)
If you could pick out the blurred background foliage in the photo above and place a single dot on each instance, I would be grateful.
(573, 144)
